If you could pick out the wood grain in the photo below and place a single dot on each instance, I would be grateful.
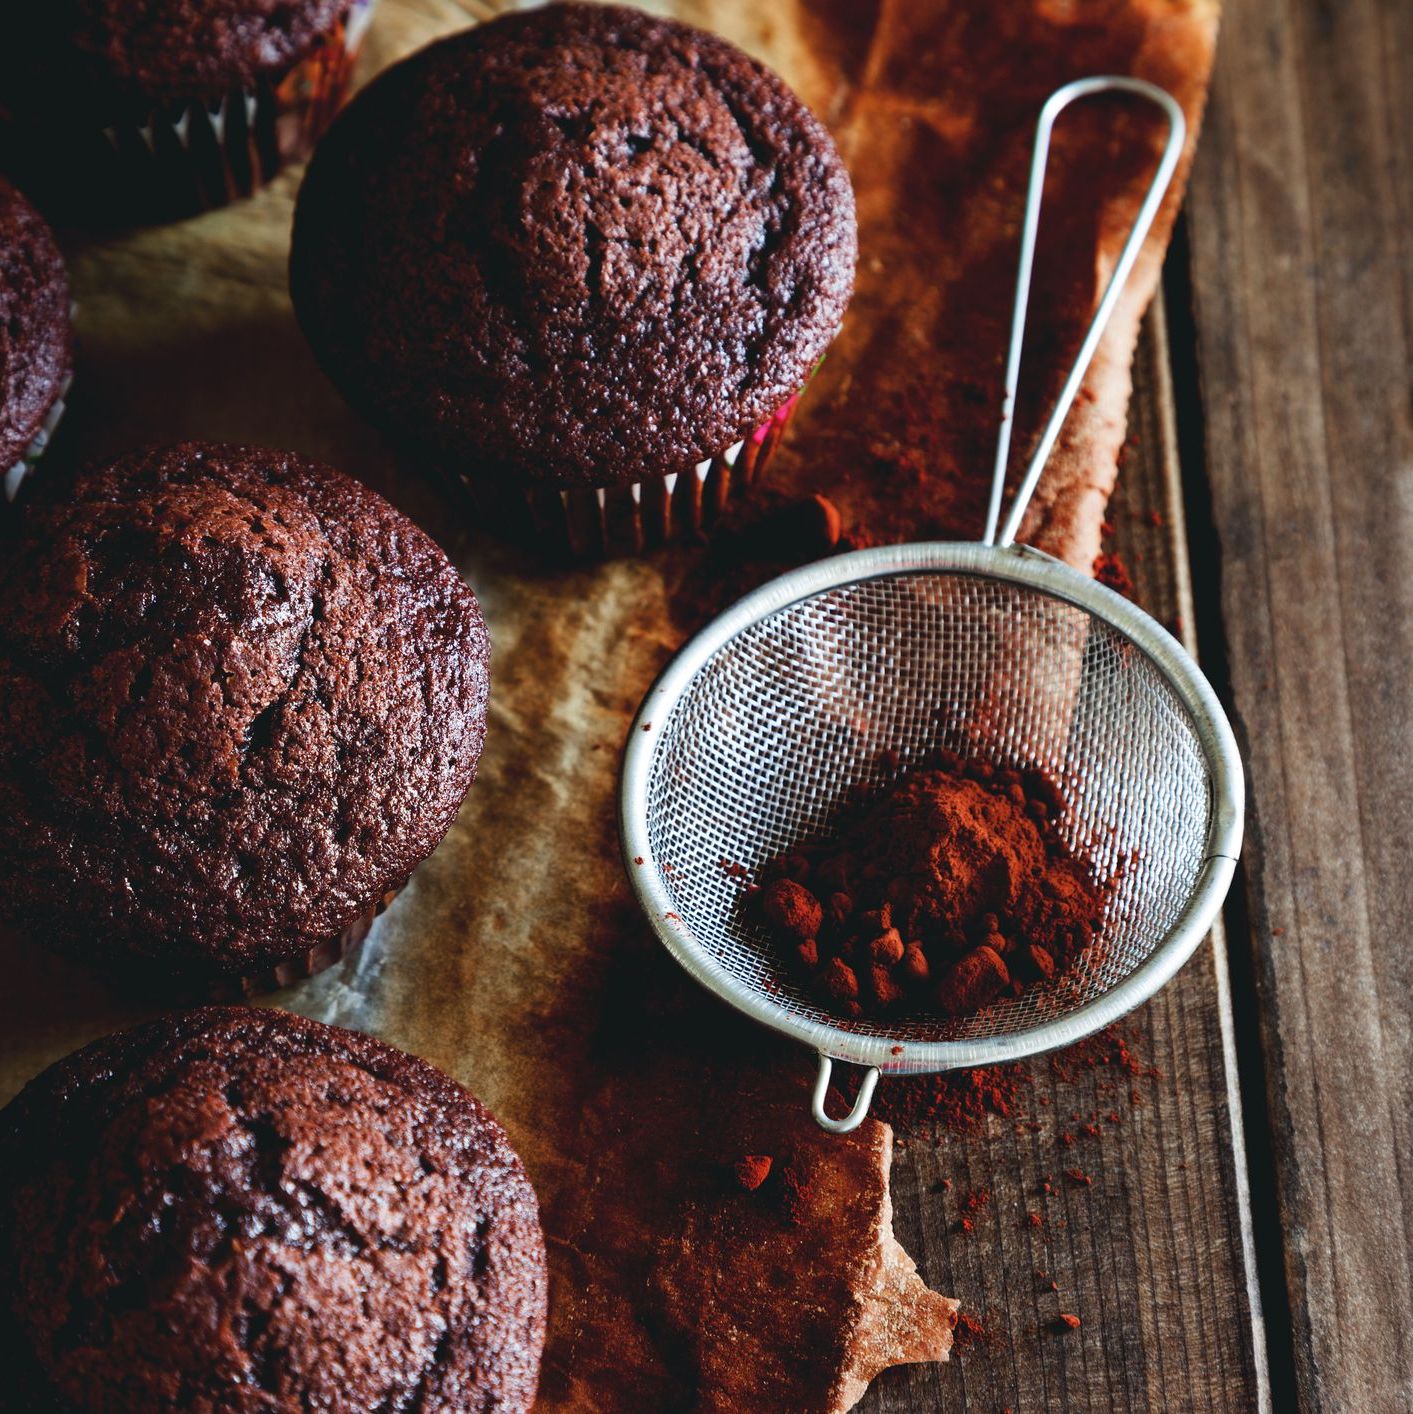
(1152, 1256)
(1299, 219)
(187, 331)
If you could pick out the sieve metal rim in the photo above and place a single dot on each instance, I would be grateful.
(996, 559)
(1015, 564)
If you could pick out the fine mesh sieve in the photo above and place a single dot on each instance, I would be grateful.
(843, 675)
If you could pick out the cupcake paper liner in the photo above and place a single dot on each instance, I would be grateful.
(15, 476)
(306, 964)
(602, 522)
(188, 157)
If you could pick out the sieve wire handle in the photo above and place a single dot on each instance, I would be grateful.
(855, 1117)
(1172, 151)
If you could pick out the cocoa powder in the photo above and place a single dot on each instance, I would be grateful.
(963, 1101)
(949, 891)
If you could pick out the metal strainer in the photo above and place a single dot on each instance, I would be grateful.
(848, 672)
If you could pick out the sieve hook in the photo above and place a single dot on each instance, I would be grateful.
(1172, 151)
(855, 1117)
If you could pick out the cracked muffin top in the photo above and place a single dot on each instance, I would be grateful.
(35, 352)
(574, 246)
(245, 1210)
(241, 698)
(111, 53)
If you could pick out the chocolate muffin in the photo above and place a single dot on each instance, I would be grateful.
(245, 1210)
(241, 698)
(171, 105)
(36, 350)
(574, 248)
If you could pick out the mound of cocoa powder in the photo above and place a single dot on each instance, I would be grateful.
(949, 890)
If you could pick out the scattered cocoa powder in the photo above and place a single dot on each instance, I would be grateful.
(782, 1185)
(945, 893)
(1109, 1049)
(971, 1333)
(795, 1193)
(963, 1101)
(1110, 569)
(959, 1100)
(751, 1170)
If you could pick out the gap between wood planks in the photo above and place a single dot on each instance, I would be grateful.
(1199, 556)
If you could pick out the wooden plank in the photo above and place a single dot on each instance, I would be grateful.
(1153, 1256)
(1150, 1255)
(1299, 220)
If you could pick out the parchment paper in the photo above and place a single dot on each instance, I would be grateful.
(515, 958)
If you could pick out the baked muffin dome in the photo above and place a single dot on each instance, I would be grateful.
(117, 54)
(245, 1210)
(121, 111)
(241, 698)
(36, 356)
(574, 246)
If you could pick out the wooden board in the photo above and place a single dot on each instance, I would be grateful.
(1152, 1257)
(187, 332)
(1300, 215)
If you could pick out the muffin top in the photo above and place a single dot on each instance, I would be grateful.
(35, 351)
(118, 52)
(577, 245)
(244, 1210)
(241, 697)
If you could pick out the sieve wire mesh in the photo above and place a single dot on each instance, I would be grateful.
(852, 686)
